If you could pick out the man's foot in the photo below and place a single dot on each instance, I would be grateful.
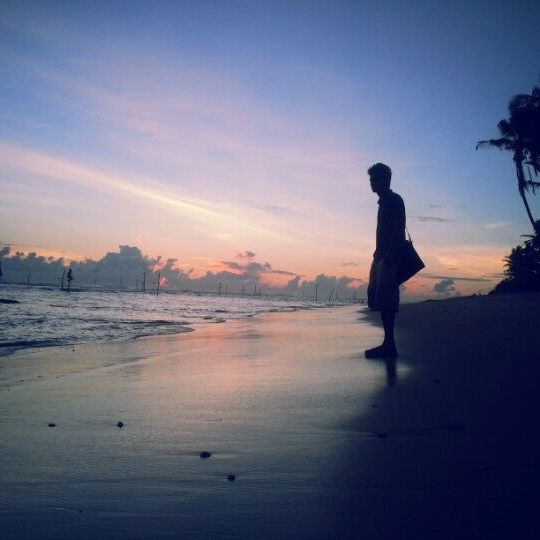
(383, 351)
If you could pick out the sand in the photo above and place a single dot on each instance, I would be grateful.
(321, 442)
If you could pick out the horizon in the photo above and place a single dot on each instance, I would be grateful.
(129, 268)
(206, 132)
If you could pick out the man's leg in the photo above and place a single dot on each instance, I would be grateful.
(388, 347)
(388, 319)
(386, 298)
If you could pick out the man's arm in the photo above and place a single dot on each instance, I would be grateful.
(397, 231)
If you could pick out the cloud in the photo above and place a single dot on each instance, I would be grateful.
(245, 255)
(128, 267)
(498, 225)
(251, 270)
(147, 189)
(349, 264)
(432, 219)
(495, 275)
(455, 278)
(232, 265)
(332, 286)
(284, 273)
(445, 286)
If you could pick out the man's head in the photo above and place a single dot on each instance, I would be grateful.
(380, 176)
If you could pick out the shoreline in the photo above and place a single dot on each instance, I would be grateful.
(23, 365)
(164, 317)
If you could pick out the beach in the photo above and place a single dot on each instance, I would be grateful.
(305, 437)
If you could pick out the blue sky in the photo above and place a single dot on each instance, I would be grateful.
(199, 130)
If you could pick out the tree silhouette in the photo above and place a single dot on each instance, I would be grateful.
(522, 267)
(520, 134)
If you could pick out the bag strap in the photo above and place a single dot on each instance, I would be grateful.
(408, 234)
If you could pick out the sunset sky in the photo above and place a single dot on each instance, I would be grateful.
(200, 130)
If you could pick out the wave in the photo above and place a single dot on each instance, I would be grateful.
(33, 343)
(49, 317)
(156, 322)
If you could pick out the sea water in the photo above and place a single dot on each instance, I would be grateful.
(47, 316)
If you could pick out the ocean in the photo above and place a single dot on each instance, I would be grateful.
(43, 316)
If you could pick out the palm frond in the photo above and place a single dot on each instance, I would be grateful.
(518, 102)
(507, 129)
(502, 144)
(525, 101)
(532, 185)
(533, 163)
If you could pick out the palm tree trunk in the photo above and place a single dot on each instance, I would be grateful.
(521, 187)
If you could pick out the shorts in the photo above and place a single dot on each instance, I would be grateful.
(383, 288)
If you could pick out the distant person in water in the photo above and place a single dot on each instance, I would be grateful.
(383, 288)
(69, 278)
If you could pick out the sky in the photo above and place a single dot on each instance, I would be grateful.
(207, 130)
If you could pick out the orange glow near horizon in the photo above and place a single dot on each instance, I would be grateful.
(483, 264)
(156, 267)
(68, 256)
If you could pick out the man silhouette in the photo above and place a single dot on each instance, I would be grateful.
(383, 288)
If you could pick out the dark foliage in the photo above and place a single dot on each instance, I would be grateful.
(522, 267)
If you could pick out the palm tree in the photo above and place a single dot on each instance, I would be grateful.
(520, 134)
(526, 110)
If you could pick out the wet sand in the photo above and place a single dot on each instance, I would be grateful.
(267, 397)
(322, 443)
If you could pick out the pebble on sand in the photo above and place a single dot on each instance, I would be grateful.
(231, 477)
(51, 424)
(205, 455)
(120, 425)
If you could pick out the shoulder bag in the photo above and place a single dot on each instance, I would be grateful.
(410, 262)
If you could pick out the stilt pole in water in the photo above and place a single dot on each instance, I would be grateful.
(330, 297)
(144, 282)
(158, 282)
